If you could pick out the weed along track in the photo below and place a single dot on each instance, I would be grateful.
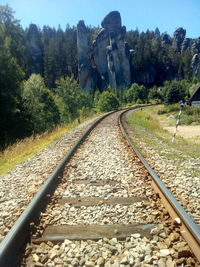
(104, 212)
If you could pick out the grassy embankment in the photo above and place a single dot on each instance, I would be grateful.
(149, 124)
(28, 147)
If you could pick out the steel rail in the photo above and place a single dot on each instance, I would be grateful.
(188, 229)
(14, 241)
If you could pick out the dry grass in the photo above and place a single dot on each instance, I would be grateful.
(148, 124)
(28, 147)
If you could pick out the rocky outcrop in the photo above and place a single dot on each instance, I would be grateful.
(100, 57)
(195, 66)
(120, 55)
(109, 62)
(165, 38)
(186, 44)
(196, 46)
(84, 64)
(111, 68)
(109, 52)
(112, 22)
(179, 36)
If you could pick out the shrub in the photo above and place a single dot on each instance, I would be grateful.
(39, 104)
(108, 101)
(191, 115)
(168, 109)
(176, 91)
(155, 95)
(136, 93)
(70, 99)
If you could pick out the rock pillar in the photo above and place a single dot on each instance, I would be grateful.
(84, 64)
(110, 62)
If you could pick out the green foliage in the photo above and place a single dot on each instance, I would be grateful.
(11, 75)
(34, 50)
(52, 54)
(160, 139)
(173, 95)
(155, 94)
(108, 101)
(60, 54)
(39, 104)
(143, 119)
(190, 115)
(11, 29)
(70, 99)
(169, 109)
(176, 91)
(193, 86)
(136, 93)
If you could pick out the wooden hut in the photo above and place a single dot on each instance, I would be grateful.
(195, 97)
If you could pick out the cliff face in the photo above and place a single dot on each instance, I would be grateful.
(182, 44)
(109, 62)
(110, 56)
(84, 65)
(179, 36)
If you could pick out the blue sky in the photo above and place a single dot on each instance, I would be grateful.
(167, 15)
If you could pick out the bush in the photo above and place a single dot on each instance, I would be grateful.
(190, 115)
(139, 101)
(39, 104)
(108, 101)
(168, 109)
(161, 111)
(176, 91)
(70, 99)
(155, 95)
(136, 93)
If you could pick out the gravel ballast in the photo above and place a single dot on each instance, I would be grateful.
(19, 185)
(181, 176)
(106, 156)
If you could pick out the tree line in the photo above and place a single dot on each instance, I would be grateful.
(38, 77)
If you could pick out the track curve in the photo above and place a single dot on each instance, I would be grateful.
(102, 186)
(189, 230)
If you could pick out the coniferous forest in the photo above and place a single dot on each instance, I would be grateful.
(39, 75)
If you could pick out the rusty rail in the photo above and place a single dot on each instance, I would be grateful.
(188, 229)
(14, 241)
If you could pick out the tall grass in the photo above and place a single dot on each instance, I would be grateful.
(168, 109)
(147, 124)
(26, 148)
(190, 115)
(145, 120)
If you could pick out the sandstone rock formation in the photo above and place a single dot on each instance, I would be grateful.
(100, 57)
(186, 44)
(195, 66)
(109, 62)
(84, 64)
(165, 39)
(179, 36)
(196, 46)
(110, 55)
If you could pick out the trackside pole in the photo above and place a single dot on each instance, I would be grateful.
(178, 120)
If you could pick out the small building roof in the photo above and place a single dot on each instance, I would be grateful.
(195, 96)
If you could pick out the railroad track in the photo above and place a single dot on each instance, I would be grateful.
(103, 212)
